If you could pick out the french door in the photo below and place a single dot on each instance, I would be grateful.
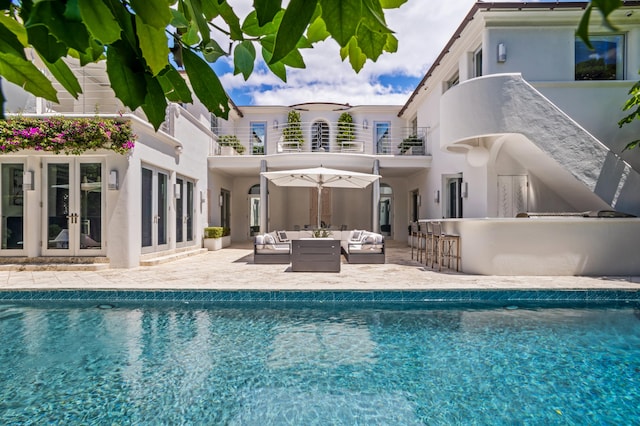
(184, 212)
(73, 206)
(155, 209)
(12, 208)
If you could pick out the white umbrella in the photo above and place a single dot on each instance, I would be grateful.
(321, 177)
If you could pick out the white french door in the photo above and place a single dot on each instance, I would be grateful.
(155, 209)
(73, 207)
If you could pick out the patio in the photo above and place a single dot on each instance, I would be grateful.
(233, 269)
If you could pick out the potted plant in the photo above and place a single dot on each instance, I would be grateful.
(232, 143)
(292, 133)
(345, 135)
(216, 237)
(408, 143)
(321, 233)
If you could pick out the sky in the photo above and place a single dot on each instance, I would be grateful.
(422, 27)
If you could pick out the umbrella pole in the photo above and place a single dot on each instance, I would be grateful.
(319, 200)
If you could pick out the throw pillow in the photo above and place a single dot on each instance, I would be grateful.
(282, 236)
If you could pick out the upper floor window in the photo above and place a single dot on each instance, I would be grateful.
(258, 136)
(477, 63)
(383, 137)
(214, 123)
(604, 62)
(320, 136)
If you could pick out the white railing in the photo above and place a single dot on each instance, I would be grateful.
(326, 138)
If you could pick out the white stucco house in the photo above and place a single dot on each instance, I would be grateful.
(514, 116)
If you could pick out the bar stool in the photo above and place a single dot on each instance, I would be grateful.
(448, 248)
(429, 251)
(422, 243)
(414, 236)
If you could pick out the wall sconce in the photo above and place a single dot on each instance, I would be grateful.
(275, 124)
(221, 200)
(419, 200)
(178, 149)
(502, 52)
(365, 124)
(113, 180)
(465, 189)
(27, 181)
(436, 196)
(177, 190)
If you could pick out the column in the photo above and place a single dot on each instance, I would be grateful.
(376, 199)
(264, 199)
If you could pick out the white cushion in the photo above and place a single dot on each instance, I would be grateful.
(259, 241)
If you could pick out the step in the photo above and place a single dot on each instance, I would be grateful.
(153, 259)
(16, 263)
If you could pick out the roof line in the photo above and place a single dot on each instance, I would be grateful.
(488, 6)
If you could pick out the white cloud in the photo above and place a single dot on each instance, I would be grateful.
(422, 27)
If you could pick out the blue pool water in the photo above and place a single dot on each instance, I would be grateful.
(340, 364)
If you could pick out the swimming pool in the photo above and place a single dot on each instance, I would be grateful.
(259, 364)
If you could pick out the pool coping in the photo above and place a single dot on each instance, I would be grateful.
(542, 296)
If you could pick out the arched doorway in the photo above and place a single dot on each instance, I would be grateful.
(320, 136)
(386, 209)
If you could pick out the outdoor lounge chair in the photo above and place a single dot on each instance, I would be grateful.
(269, 249)
(363, 247)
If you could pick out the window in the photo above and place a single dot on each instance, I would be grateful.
(383, 137)
(213, 122)
(453, 81)
(320, 136)
(258, 137)
(604, 62)
(477, 63)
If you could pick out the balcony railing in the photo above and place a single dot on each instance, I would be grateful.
(324, 137)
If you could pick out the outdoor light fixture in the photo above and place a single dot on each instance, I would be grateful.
(436, 196)
(178, 149)
(502, 52)
(113, 180)
(365, 124)
(275, 124)
(27, 181)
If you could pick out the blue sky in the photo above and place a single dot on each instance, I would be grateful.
(422, 27)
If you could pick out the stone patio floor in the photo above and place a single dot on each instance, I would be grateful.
(233, 269)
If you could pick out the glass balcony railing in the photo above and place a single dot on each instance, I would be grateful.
(326, 138)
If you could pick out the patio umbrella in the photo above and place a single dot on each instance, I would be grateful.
(320, 177)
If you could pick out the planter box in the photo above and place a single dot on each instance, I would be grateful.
(228, 150)
(213, 244)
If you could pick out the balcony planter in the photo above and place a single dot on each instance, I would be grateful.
(216, 238)
(408, 143)
(230, 145)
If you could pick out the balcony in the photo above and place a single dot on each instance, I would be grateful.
(323, 137)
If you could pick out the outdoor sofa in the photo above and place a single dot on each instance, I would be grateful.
(357, 246)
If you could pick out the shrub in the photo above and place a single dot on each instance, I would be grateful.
(216, 232)
(67, 135)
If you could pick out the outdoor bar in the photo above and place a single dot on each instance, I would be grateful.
(552, 245)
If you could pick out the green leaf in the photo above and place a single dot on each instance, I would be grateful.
(9, 42)
(63, 74)
(244, 56)
(317, 31)
(206, 84)
(192, 35)
(99, 20)
(370, 42)
(51, 15)
(266, 10)
(373, 16)
(195, 8)
(155, 13)
(179, 20)
(45, 43)
(391, 45)
(279, 70)
(155, 103)
(583, 27)
(154, 46)
(342, 18)
(232, 21)
(128, 85)
(251, 27)
(392, 4)
(212, 51)
(174, 86)
(16, 28)
(23, 73)
(356, 57)
(631, 145)
(294, 59)
(295, 20)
